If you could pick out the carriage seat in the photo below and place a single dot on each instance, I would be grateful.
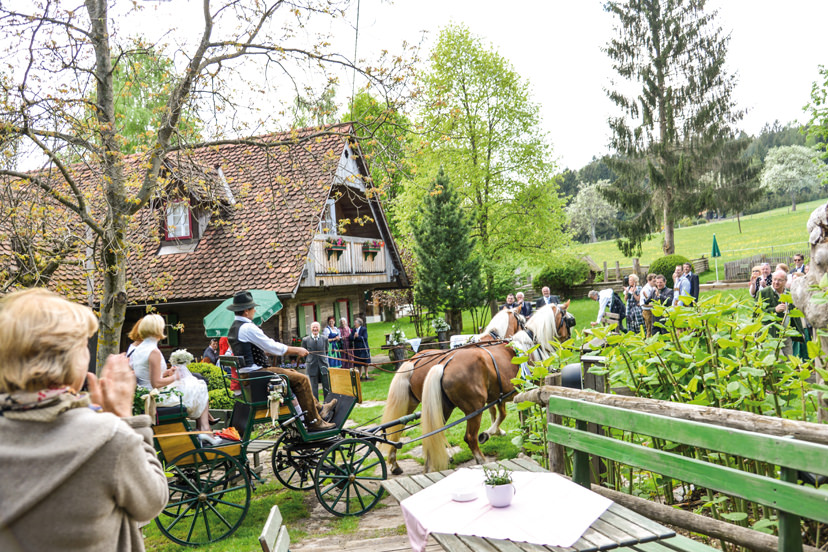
(169, 413)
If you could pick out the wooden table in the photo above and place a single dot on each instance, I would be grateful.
(617, 527)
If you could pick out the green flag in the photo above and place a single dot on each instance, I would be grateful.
(716, 252)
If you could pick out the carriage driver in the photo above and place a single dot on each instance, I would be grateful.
(249, 341)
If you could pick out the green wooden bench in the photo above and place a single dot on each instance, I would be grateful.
(783, 493)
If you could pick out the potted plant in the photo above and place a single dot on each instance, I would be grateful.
(442, 328)
(499, 487)
(335, 246)
(398, 342)
(371, 248)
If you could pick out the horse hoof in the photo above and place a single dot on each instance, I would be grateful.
(397, 471)
(483, 437)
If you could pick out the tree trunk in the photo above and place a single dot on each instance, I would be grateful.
(113, 306)
(592, 238)
(739, 222)
(455, 320)
(489, 286)
(668, 245)
(793, 201)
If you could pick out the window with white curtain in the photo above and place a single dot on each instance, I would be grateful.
(178, 221)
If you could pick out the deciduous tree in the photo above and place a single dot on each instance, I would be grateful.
(480, 123)
(61, 56)
(677, 112)
(790, 170)
(590, 210)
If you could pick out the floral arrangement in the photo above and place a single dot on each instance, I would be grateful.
(335, 242)
(498, 475)
(181, 358)
(373, 244)
(397, 336)
(440, 325)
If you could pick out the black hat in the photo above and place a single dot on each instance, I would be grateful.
(242, 301)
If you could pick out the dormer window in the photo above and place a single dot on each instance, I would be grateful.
(179, 221)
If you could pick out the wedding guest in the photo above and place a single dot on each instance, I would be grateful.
(73, 479)
(347, 346)
(362, 354)
(316, 363)
(334, 338)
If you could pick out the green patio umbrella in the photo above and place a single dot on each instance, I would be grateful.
(218, 322)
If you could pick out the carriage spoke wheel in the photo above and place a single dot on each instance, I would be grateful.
(348, 477)
(293, 468)
(209, 497)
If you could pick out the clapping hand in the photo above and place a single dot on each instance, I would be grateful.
(115, 389)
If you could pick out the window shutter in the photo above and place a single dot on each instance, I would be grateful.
(300, 317)
(337, 316)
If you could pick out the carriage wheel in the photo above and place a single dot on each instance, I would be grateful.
(293, 467)
(209, 497)
(348, 477)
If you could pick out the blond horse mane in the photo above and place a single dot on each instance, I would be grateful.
(543, 326)
(498, 325)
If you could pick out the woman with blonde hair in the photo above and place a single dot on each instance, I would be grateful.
(152, 372)
(72, 478)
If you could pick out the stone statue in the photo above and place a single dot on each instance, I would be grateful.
(801, 289)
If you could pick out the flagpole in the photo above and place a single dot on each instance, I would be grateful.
(716, 259)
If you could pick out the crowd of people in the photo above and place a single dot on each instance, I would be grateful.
(636, 306)
(517, 301)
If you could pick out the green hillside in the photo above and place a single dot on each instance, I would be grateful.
(779, 228)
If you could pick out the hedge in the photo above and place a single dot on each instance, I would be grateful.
(666, 265)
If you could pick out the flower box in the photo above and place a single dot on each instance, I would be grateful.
(334, 250)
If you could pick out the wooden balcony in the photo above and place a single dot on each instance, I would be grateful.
(351, 259)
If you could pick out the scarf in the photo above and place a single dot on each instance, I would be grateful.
(44, 405)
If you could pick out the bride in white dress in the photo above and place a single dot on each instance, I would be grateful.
(151, 372)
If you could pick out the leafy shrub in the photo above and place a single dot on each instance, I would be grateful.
(666, 265)
(221, 399)
(562, 273)
(213, 373)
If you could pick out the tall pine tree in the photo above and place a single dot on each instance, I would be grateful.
(448, 271)
(677, 112)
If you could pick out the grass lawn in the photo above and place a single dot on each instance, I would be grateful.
(776, 228)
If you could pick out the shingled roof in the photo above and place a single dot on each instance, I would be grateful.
(260, 242)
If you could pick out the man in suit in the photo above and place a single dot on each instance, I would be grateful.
(799, 263)
(523, 307)
(693, 279)
(769, 296)
(546, 298)
(316, 363)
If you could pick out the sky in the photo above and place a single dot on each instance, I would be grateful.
(775, 50)
(555, 45)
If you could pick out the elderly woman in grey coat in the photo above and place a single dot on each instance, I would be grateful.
(79, 472)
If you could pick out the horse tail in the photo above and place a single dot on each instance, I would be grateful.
(435, 448)
(397, 404)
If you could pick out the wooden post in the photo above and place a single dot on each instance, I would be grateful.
(637, 268)
(606, 275)
(790, 538)
(555, 451)
(617, 270)
(596, 383)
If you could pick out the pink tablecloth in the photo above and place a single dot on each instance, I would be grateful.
(547, 510)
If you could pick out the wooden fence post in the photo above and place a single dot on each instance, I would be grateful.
(617, 270)
(637, 268)
(596, 383)
(606, 275)
(555, 451)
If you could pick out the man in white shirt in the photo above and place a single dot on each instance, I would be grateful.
(249, 341)
(647, 294)
(605, 301)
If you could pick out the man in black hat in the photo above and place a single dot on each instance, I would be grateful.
(249, 341)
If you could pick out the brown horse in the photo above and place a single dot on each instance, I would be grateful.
(406, 388)
(475, 377)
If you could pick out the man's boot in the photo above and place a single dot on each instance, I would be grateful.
(320, 425)
(327, 410)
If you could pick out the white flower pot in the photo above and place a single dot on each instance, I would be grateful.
(500, 495)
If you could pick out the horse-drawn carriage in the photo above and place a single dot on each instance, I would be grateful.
(210, 486)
